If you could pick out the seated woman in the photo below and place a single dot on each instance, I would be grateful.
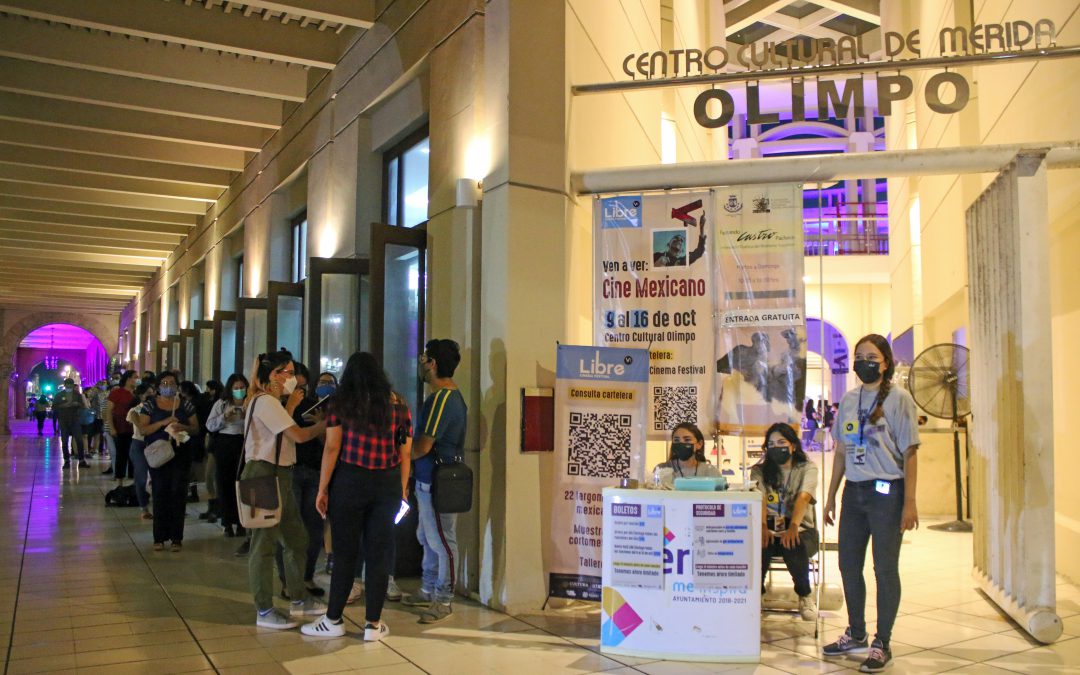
(686, 457)
(787, 481)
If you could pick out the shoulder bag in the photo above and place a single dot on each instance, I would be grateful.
(161, 452)
(258, 499)
(451, 486)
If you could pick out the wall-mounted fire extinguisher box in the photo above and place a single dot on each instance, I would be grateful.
(537, 420)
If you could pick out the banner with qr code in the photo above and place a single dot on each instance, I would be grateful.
(760, 307)
(653, 290)
(599, 439)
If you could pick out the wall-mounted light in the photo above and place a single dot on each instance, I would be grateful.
(467, 193)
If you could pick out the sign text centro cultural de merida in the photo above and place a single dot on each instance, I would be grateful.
(802, 57)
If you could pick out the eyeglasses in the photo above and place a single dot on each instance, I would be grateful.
(287, 373)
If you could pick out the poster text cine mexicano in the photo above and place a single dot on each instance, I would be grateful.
(802, 57)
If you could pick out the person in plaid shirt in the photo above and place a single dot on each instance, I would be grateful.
(364, 478)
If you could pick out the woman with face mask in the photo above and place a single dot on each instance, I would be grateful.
(685, 459)
(788, 480)
(226, 423)
(876, 430)
(157, 417)
(141, 469)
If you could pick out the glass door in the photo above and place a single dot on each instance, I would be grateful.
(398, 297)
(250, 330)
(187, 354)
(173, 360)
(224, 344)
(203, 354)
(285, 320)
(338, 309)
(161, 359)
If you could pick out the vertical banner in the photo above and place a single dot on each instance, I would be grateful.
(653, 289)
(760, 307)
(599, 439)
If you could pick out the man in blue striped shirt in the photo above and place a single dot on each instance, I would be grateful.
(440, 437)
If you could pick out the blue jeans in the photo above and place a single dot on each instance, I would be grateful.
(142, 470)
(437, 533)
(865, 514)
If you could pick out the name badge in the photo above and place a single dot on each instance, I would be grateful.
(882, 486)
(859, 454)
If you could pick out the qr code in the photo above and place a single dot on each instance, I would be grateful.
(673, 406)
(599, 445)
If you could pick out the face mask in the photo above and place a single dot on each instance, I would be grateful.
(289, 386)
(779, 455)
(238, 394)
(138, 381)
(682, 451)
(324, 390)
(103, 387)
(868, 371)
(167, 391)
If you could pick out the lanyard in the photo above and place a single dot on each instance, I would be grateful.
(678, 467)
(864, 415)
(787, 490)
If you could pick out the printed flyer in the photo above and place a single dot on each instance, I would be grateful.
(722, 546)
(599, 439)
(637, 545)
(760, 308)
(653, 290)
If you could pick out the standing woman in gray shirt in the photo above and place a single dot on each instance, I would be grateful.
(877, 430)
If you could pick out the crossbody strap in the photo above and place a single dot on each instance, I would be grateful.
(247, 428)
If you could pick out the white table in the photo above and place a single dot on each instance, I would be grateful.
(681, 586)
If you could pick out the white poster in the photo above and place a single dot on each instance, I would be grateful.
(637, 545)
(760, 308)
(653, 290)
(599, 439)
(722, 546)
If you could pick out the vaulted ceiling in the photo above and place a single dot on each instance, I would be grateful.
(122, 121)
(778, 20)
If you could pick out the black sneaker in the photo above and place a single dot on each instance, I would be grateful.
(66, 463)
(244, 549)
(107, 472)
(847, 644)
(83, 464)
(878, 658)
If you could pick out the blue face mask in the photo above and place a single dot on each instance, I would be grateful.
(324, 390)
(166, 391)
(239, 394)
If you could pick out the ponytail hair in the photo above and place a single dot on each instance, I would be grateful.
(264, 365)
(878, 409)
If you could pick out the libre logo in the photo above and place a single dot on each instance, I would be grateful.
(733, 205)
(597, 368)
(669, 537)
(621, 619)
(620, 212)
(761, 205)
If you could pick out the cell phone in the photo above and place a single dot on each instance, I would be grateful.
(317, 404)
(401, 512)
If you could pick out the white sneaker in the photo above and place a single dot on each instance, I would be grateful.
(324, 627)
(356, 593)
(393, 593)
(275, 620)
(373, 634)
(309, 607)
(808, 608)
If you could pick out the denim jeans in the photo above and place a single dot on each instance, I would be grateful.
(142, 470)
(865, 514)
(437, 533)
(68, 432)
(796, 559)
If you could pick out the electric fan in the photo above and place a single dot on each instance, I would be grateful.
(938, 381)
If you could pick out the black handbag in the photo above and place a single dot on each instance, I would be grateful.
(258, 500)
(452, 487)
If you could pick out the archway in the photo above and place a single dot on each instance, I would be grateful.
(826, 340)
(101, 329)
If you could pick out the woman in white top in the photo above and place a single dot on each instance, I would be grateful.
(138, 444)
(270, 450)
(226, 423)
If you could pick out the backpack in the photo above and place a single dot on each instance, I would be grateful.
(123, 495)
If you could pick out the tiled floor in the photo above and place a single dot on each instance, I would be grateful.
(81, 591)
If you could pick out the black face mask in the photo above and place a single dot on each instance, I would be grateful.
(779, 455)
(682, 451)
(868, 371)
